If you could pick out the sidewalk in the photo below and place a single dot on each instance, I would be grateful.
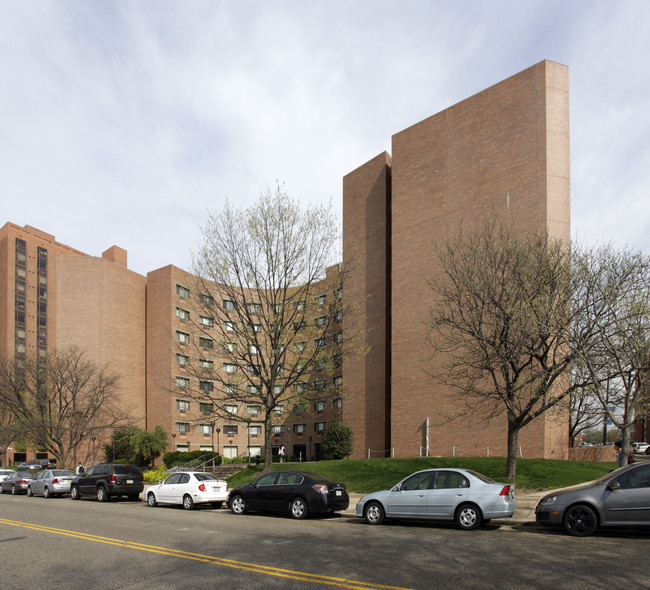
(525, 507)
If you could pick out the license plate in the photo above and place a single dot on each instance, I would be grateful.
(339, 493)
(129, 481)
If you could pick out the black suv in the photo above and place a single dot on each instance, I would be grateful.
(108, 479)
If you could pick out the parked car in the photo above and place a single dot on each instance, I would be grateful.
(461, 495)
(5, 473)
(188, 489)
(28, 465)
(297, 492)
(105, 480)
(16, 483)
(48, 463)
(50, 482)
(618, 499)
(640, 447)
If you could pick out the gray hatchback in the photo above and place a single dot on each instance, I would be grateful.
(619, 499)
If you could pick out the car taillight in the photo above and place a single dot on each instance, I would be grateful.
(22, 481)
(113, 479)
(320, 488)
(55, 481)
(202, 487)
(505, 491)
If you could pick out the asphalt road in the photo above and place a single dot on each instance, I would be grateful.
(58, 543)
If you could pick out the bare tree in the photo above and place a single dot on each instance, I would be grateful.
(270, 304)
(10, 430)
(614, 288)
(501, 325)
(62, 403)
(586, 414)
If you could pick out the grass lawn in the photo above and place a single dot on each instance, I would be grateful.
(369, 475)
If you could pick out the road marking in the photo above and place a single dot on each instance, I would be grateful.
(242, 565)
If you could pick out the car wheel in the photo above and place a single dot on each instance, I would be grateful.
(468, 517)
(102, 496)
(188, 503)
(46, 492)
(74, 493)
(580, 521)
(298, 508)
(29, 491)
(238, 505)
(217, 504)
(151, 500)
(374, 513)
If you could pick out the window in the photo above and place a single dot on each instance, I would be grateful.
(449, 480)
(321, 300)
(230, 367)
(277, 429)
(321, 321)
(182, 427)
(230, 408)
(230, 388)
(206, 343)
(182, 382)
(338, 316)
(299, 326)
(320, 342)
(299, 387)
(182, 405)
(338, 403)
(338, 293)
(319, 406)
(254, 369)
(206, 364)
(254, 328)
(228, 305)
(299, 408)
(420, 481)
(299, 346)
(230, 346)
(277, 389)
(182, 337)
(229, 326)
(252, 349)
(206, 407)
(230, 429)
(338, 359)
(206, 386)
(182, 292)
(252, 389)
(298, 428)
(319, 385)
(253, 410)
(338, 381)
(182, 360)
(277, 308)
(299, 306)
(207, 300)
(254, 308)
(338, 337)
(182, 314)
(279, 409)
(206, 321)
(319, 427)
(206, 429)
(255, 430)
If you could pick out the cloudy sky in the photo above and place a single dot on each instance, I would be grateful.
(124, 122)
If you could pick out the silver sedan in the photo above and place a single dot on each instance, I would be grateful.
(50, 482)
(16, 483)
(459, 495)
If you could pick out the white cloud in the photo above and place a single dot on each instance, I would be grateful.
(124, 121)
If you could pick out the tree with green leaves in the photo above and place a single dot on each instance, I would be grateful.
(136, 445)
(337, 440)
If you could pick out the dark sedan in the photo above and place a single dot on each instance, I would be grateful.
(619, 499)
(298, 493)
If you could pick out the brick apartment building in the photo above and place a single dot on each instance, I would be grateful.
(505, 149)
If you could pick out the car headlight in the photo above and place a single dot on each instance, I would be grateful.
(548, 501)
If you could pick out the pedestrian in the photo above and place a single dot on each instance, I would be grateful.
(281, 454)
(618, 445)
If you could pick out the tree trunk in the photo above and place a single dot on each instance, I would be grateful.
(513, 445)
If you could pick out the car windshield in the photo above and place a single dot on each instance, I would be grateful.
(204, 476)
(61, 472)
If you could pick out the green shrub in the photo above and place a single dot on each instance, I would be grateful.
(155, 475)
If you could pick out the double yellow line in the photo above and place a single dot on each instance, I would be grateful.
(241, 565)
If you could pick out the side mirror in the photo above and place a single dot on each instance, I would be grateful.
(613, 485)
(397, 488)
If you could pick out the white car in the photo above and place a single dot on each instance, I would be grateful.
(639, 447)
(188, 488)
(5, 473)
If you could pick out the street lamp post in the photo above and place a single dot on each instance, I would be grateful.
(218, 430)
(94, 439)
(173, 441)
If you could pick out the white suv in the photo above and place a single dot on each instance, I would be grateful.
(639, 447)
